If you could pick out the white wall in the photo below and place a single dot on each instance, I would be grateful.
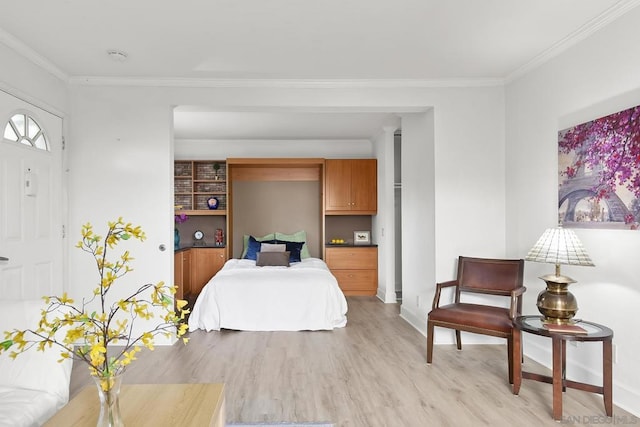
(418, 217)
(460, 157)
(383, 224)
(23, 79)
(120, 165)
(599, 76)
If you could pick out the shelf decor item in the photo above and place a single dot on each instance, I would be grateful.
(178, 219)
(212, 202)
(558, 246)
(361, 237)
(198, 238)
(219, 237)
(99, 330)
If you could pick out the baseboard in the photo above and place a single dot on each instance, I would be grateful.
(418, 322)
(382, 296)
(626, 398)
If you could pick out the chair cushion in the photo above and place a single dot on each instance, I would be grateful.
(473, 316)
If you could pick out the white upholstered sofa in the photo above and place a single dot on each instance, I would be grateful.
(34, 386)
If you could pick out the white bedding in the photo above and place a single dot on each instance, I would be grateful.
(242, 296)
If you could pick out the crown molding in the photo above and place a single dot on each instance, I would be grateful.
(600, 21)
(25, 51)
(285, 83)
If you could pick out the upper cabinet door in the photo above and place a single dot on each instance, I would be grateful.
(364, 186)
(351, 187)
(337, 185)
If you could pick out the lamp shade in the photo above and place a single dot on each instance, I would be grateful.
(559, 246)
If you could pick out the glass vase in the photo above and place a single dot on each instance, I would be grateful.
(109, 394)
(176, 239)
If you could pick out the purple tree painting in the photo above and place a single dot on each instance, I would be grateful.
(599, 172)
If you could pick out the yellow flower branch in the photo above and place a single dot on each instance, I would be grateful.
(88, 335)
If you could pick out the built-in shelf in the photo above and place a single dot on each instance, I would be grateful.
(195, 182)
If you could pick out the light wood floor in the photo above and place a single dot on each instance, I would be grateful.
(371, 373)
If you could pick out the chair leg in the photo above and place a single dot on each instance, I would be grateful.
(510, 357)
(429, 341)
(458, 340)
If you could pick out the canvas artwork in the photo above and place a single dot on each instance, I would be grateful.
(599, 172)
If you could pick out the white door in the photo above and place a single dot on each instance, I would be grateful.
(31, 205)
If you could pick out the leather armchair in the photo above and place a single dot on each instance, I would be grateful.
(502, 277)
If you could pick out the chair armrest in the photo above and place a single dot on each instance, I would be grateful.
(515, 295)
(439, 286)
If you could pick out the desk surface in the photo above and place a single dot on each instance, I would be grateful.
(150, 405)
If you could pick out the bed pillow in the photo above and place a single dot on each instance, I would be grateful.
(253, 247)
(245, 242)
(273, 259)
(273, 247)
(295, 249)
(300, 236)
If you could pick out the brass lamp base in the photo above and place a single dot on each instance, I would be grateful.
(556, 303)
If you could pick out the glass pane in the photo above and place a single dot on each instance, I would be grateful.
(10, 134)
(23, 129)
(33, 128)
(41, 143)
(19, 121)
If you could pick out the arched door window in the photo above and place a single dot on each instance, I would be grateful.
(23, 129)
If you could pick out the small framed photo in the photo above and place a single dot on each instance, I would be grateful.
(361, 237)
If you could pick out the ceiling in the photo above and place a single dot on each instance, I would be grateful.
(373, 41)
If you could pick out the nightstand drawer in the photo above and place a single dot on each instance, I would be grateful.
(356, 280)
(352, 258)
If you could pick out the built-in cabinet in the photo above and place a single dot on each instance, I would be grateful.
(200, 191)
(351, 187)
(182, 273)
(205, 263)
(355, 268)
(194, 267)
(350, 191)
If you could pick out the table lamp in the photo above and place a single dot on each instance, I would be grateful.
(558, 246)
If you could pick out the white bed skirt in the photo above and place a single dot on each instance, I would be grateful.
(242, 296)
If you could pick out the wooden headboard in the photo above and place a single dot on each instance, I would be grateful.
(280, 194)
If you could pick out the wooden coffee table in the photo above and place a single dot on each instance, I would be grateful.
(150, 405)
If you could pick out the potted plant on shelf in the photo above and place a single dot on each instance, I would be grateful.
(99, 331)
(216, 168)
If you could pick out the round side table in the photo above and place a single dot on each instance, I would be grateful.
(592, 332)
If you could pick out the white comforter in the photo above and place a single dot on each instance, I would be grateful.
(242, 296)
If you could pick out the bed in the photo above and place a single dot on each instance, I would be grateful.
(246, 296)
